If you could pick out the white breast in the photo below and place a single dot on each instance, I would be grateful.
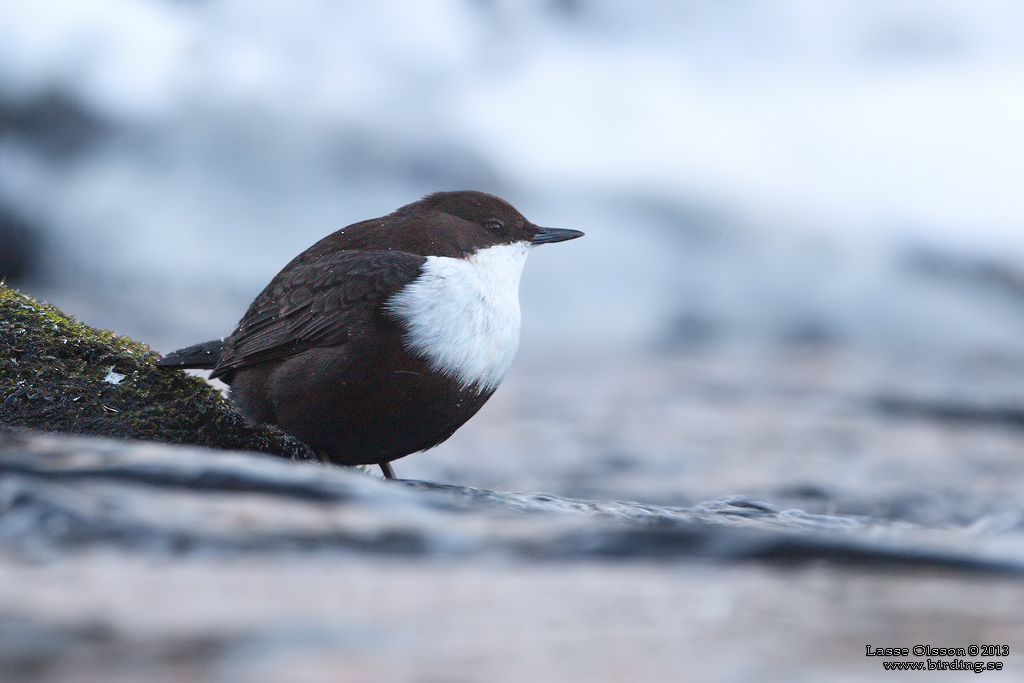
(463, 314)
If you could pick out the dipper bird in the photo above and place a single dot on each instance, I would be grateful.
(384, 337)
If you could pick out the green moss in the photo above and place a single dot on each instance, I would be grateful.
(55, 375)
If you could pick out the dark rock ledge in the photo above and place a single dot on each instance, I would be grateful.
(60, 493)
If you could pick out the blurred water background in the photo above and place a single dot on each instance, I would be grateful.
(778, 176)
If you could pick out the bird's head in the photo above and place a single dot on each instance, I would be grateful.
(485, 220)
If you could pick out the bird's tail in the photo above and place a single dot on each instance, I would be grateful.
(203, 356)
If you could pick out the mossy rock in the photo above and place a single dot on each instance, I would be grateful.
(59, 375)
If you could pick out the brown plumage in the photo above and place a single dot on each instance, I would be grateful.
(323, 353)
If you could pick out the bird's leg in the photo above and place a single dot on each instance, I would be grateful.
(389, 473)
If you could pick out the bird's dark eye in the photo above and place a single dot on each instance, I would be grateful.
(496, 227)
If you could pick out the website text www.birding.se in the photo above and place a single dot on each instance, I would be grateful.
(941, 658)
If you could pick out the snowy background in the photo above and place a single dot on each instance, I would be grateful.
(763, 172)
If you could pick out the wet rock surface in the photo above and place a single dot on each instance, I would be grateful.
(62, 493)
(124, 560)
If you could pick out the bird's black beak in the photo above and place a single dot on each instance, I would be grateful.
(548, 235)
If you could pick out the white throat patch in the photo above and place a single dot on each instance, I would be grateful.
(463, 314)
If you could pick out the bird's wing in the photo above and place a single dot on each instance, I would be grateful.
(322, 302)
